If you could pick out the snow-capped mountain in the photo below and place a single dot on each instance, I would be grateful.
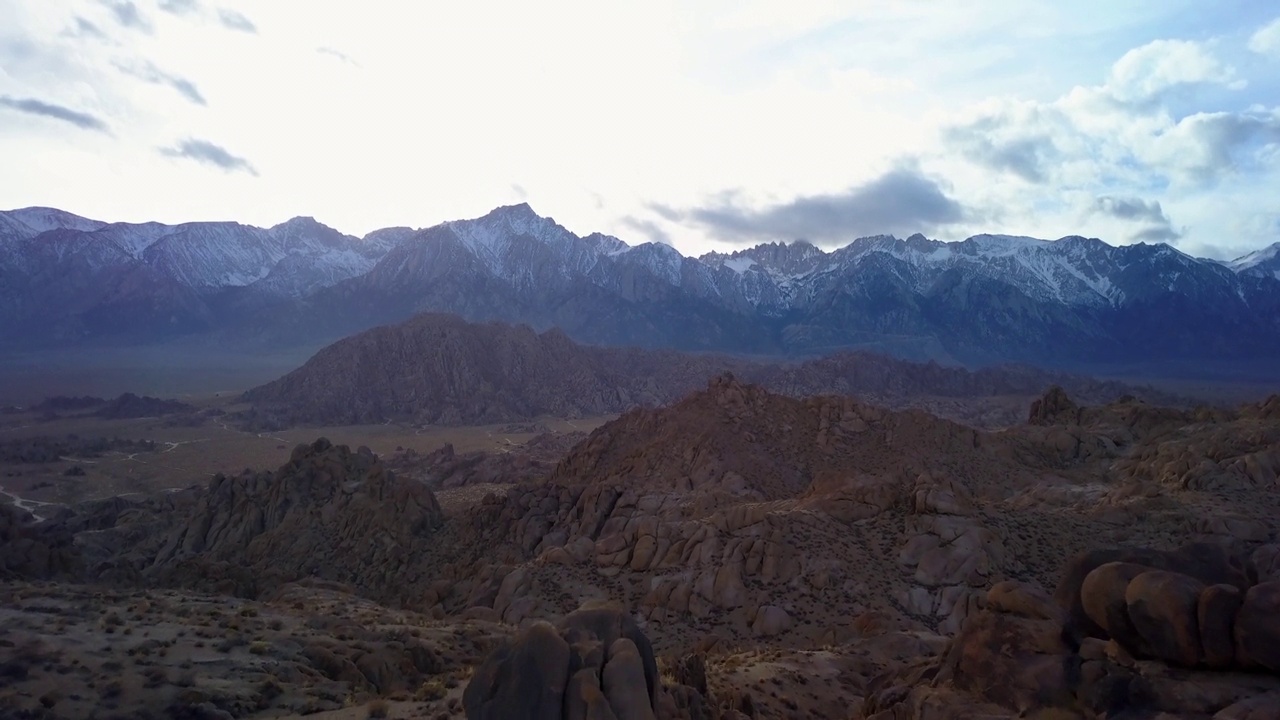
(1260, 263)
(987, 298)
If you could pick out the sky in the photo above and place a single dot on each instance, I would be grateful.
(708, 125)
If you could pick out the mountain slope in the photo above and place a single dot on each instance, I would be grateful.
(1072, 303)
(440, 369)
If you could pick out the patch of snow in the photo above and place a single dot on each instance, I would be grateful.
(739, 264)
(1257, 257)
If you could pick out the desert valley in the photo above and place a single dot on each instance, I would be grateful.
(446, 519)
(915, 360)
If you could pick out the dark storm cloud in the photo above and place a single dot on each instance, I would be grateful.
(983, 142)
(179, 7)
(203, 151)
(127, 14)
(151, 74)
(900, 201)
(1157, 226)
(31, 106)
(1155, 234)
(648, 228)
(1130, 208)
(235, 21)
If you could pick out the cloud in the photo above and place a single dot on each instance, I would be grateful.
(338, 54)
(83, 28)
(236, 21)
(901, 201)
(180, 7)
(128, 15)
(1156, 225)
(648, 228)
(149, 73)
(1206, 145)
(1146, 72)
(1130, 208)
(32, 106)
(1156, 234)
(1267, 40)
(989, 142)
(203, 151)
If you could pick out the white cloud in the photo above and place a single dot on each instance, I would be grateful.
(1144, 72)
(1266, 41)
(599, 109)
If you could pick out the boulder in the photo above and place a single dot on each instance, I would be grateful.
(1257, 628)
(1210, 563)
(1265, 563)
(770, 620)
(625, 684)
(1163, 608)
(1102, 596)
(1025, 655)
(595, 665)
(524, 679)
(1216, 613)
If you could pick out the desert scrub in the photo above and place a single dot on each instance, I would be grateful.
(378, 709)
(432, 689)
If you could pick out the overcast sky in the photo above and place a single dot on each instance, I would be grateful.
(709, 125)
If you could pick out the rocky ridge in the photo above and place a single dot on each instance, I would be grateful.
(439, 369)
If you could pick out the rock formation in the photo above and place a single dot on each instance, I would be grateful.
(329, 513)
(439, 369)
(596, 664)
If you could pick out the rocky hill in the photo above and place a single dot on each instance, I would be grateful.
(440, 369)
(737, 553)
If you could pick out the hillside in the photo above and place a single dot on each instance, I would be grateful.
(440, 369)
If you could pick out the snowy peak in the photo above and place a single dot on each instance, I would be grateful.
(43, 219)
(1260, 263)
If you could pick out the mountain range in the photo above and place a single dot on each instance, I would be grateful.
(1076, 303)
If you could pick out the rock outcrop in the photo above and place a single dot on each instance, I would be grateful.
(328, 513)
(596, 664)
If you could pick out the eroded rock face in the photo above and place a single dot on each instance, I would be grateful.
(329, 513)
(1054, 408)
(30, 551)
(596, 664)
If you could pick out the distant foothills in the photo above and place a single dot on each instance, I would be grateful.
(1075, 303)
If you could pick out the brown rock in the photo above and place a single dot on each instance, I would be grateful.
(1265, 563)
(770, 620)
(584, 700)
(1216, 614)
(1019, 598)
(1102, 595)
(1257, 629)
(1163, 608)
(1260, 707)
(1054, 408)
(1013, 661)
(625, 684)
(524, 679)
